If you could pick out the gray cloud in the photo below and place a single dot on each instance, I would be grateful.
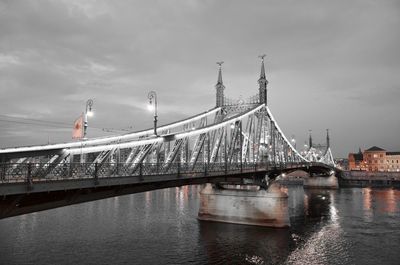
(331, 64)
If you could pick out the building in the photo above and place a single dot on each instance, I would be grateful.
(356, 161)
(375, 159)
(393, 161)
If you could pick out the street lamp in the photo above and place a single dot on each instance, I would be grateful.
(293, 142)
(152, 96)
(88, 113)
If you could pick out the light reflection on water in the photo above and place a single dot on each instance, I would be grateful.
(160, 227)
(327, 238)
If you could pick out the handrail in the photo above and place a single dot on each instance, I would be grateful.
(34, 172)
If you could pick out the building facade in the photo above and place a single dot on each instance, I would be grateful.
(375, 159)
(355, 161)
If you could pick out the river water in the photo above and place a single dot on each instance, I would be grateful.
(345, 226)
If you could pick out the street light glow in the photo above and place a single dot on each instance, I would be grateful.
(150, 107)
(88, 113)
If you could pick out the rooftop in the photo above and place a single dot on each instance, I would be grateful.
(375, 148)
(358, 157)
(392, 153)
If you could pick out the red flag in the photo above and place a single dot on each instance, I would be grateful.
(77, 131)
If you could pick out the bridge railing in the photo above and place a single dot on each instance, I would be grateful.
(34, 172)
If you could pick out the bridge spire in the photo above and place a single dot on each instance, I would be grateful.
(220, 87)
(327, 139)
(262, 82)
(310, 140)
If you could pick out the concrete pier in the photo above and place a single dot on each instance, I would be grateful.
(244, 204)
(321, 182)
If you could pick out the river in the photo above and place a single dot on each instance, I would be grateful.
(345, 226)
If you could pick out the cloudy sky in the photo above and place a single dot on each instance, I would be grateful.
(330, 64)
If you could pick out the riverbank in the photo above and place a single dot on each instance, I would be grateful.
(369, 179)
(352, 179)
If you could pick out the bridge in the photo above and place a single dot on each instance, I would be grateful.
(236, 142)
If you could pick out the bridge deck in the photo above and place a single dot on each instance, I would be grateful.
(80, 176)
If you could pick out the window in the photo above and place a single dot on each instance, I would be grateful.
(375, 155)
(381, 155)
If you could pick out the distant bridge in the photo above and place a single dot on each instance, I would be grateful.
(237, 141)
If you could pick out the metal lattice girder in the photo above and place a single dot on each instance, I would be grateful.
(132, 154)
(140, 148)
(45, 165)
(218, 136)
(15, 165)
(246, 138)
(100, 159)
(53, 165)
(257, 140)
(166, 146)
(185, 150)
(198, 145)
(103, 156)
(219, 116)
(328, 158)
(283, 136)
(144, 150)
(172, 155)
(197, 149)
(233, 142)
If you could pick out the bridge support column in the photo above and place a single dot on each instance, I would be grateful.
(321, 182)
(245, 204)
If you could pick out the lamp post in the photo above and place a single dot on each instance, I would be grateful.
(88, 113)
(152, 96)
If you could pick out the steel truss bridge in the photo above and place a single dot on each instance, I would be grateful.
(235, 142)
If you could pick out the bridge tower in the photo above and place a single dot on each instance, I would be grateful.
(220, 87)
(262, 82)
(327, 139)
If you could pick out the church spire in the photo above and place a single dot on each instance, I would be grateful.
(310, 140)
(220, 87)
(263, 82)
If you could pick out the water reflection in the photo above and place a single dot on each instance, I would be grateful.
(318, 230)
(246, 244)
(367, 198)
(380, 201)
(327, 227)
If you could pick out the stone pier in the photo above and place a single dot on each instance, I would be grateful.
(245, 204)
(321, 182)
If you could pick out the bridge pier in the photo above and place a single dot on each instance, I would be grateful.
(245, 204)
(321, 182)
